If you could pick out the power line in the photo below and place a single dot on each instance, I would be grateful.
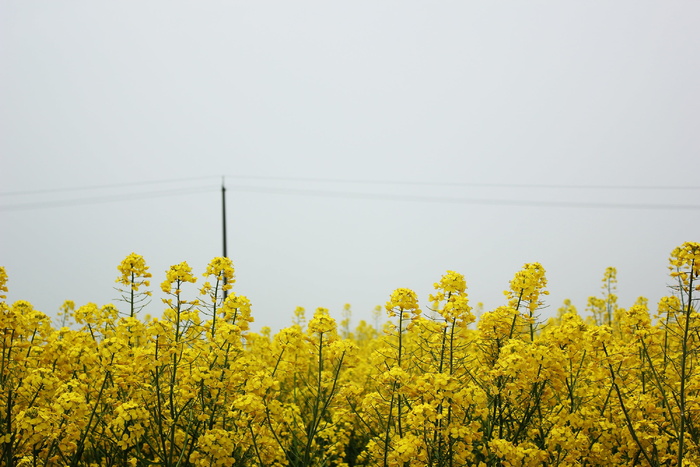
(466, 184)
(326, 194)
(101, 187)
(440, 199)
(352, 181)
(105, 199)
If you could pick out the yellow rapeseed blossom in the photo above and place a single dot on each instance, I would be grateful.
(321, 323)
(452, 282)
(451, 301)
(527, 286)
(497, 324)
(237, 310)
(685, 263)
(3, 282)
(621, 389)
(176, 275)
(134, 272)
(129, 424)
(404, 301)
(222, 270)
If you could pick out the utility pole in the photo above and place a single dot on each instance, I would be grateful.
(223, 218)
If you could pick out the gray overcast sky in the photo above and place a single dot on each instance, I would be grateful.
(321, 98)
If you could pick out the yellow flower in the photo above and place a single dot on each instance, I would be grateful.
(452, 282)
(3, 282)
(685, 260)
(177, 274)
(237, 310)
(527, 286)
(134, 272)
(321, 323)
(222, 269)
(405, 300)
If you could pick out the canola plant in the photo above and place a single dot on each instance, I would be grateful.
(434, 387)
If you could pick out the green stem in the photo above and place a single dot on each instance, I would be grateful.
(628, 418)
(684, 357)
(81, 443)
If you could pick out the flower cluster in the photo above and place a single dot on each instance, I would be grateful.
(176, 276)
(403, 301)
(3, 282)
(195, 387)
(527, 286)
(685, 263)
(134, 272)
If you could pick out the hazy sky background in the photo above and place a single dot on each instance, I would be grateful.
(367, 145)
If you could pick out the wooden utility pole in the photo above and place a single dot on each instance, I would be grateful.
(223, 218)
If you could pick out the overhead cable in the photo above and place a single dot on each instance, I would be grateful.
(352, 181)
(466, 184)
(442, 199)
(102, 187)
(106, 199)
